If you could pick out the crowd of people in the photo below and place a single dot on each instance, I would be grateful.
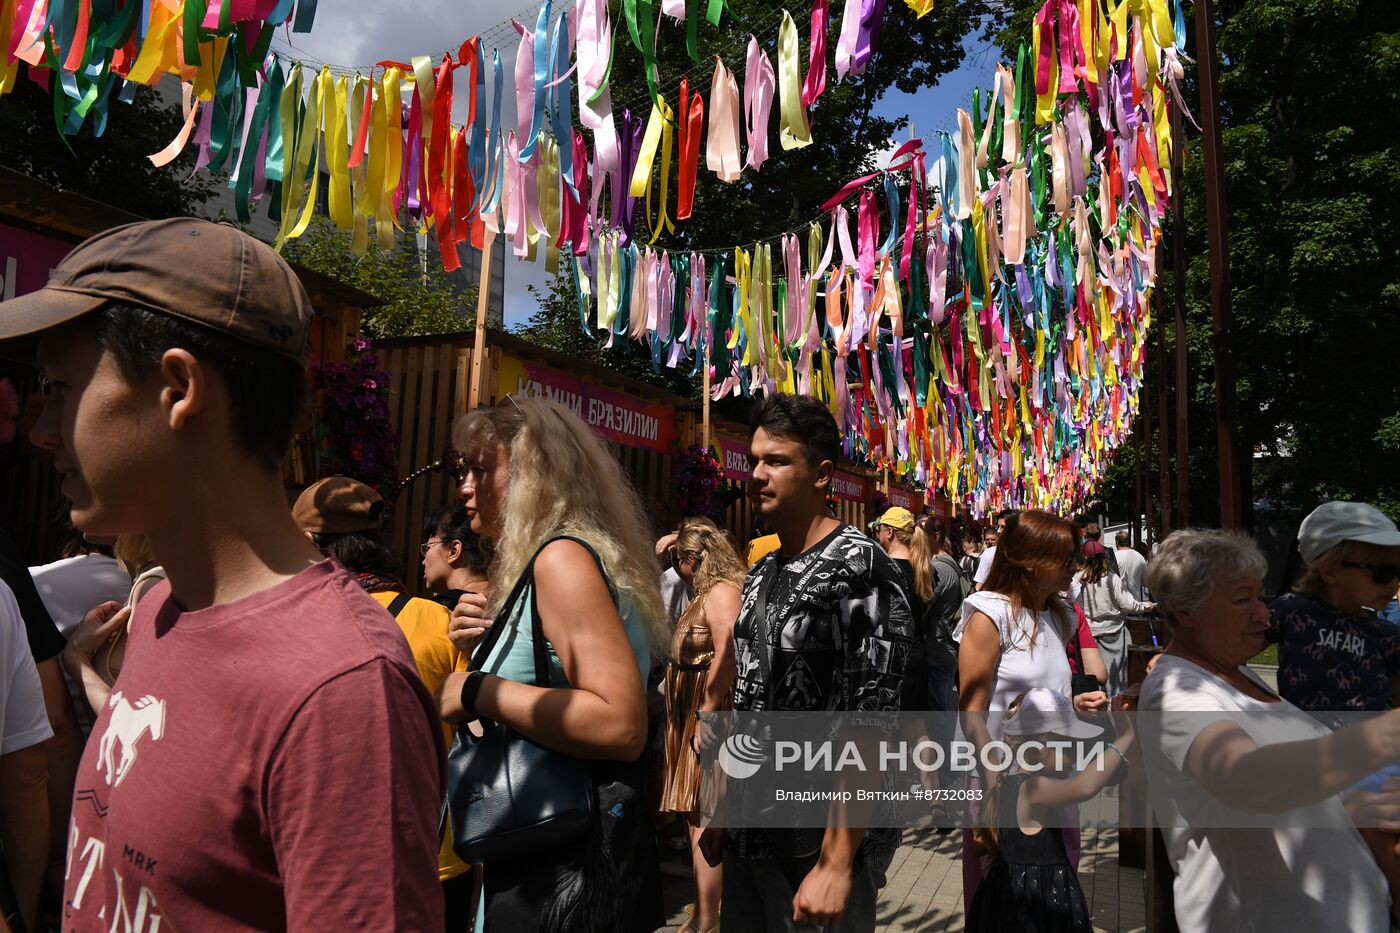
(224, 713)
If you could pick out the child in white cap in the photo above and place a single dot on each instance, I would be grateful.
(1335, 653)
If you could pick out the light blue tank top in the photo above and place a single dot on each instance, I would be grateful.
(513, 654)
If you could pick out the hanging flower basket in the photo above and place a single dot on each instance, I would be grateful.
(353, 432)
(701, 476)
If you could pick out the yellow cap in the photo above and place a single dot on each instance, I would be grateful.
(898, 518)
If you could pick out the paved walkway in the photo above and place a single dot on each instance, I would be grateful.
(924, 890)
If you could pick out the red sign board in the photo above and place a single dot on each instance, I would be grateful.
(905, 499)
(848, 486)
(615, 416)
(734, 455)
(25, 260)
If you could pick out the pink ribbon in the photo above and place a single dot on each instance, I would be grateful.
(592, 51)
(722, 141)
(850, 187)
(815, 82)
(759, 84)
(796, 294)
(846, 42)
(867, 231)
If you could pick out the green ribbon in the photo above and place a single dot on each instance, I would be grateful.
(228, 113)
(692, 23)
(643, 37)
(194, 15)
(269, 100)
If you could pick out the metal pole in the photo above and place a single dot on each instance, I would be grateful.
(1183, 450)
(1142, 426)
(1146, 451)
(1217, 227)
(1163, 424)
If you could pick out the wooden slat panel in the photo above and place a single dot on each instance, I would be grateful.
(412, 373)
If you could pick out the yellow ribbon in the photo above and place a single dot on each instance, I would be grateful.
(359, 238)
(1087, 19)
(1119, 18)
(153, 48)
(609, 285)
(742, 271)
(297, 201)
(391, 143)
(337, 156)
(793, 130)
(551, 205)
(660, 130)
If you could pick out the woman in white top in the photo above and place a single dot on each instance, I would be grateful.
(1106, 603)
(1248, 789)
(1013, 635)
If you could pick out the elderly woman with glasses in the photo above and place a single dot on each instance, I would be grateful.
(1247, 787)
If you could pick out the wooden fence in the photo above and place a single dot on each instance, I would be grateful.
(429, 389)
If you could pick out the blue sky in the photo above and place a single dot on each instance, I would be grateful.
(426, 27)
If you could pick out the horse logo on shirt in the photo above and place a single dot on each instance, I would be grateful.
(127, 724)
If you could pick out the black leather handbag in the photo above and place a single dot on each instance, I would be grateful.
(508, 796)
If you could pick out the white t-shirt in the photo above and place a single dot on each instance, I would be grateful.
(1025, 663)
(74, 585)
(675, 595)
(1130, 567)
(23, 720)
(984, 565)
(1286, 874)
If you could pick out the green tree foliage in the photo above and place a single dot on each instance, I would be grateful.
(419, 297)
(113, 167)
(1309, 91)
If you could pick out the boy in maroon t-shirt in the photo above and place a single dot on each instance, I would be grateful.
(268, 759)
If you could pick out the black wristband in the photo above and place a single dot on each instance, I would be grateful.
(470, 688)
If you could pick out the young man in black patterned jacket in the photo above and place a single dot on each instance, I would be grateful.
(838, 630)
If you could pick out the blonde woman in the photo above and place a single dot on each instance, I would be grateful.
(574, 556)
(700, 675)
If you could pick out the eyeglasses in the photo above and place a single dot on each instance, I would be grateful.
(1380, 573)
(425, 548)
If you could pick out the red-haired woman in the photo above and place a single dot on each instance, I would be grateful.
(1013, 634)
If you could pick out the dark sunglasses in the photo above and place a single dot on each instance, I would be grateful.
(1380, 573)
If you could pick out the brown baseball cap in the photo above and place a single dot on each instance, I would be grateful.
(208, 273)
(338, 505)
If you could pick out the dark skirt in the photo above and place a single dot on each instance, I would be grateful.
(1031, 888)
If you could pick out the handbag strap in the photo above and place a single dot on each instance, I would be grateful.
(504, 617)
(398, 605)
